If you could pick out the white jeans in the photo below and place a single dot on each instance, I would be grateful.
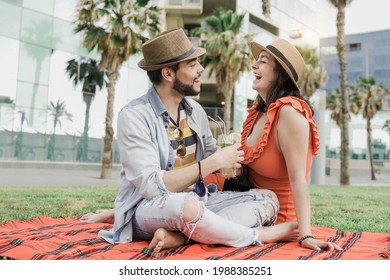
(228, 218)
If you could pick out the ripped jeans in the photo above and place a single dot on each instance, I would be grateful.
(228, 218)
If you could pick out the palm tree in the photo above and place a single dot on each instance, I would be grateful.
(266, 7)
(228, 53)
(58, 112)
(344, 153)
(86, 71)
(386, 126)
(19, 136)
(371, 98)
(333, 103)
(117, 28)
(315, 75)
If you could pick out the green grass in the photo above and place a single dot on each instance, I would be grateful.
(343, 208)
(351, 208)
(23, 203)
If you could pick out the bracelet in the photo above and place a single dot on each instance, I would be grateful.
(304, 238)
(200, 171)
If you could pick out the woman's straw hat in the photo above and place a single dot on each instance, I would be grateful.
(167, 49)
(286, 54)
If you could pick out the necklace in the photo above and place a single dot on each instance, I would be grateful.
(178, 135)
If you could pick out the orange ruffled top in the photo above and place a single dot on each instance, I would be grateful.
(266, 165)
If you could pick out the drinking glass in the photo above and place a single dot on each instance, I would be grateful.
(225, 141)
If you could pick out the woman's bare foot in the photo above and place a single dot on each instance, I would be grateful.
(100, 216)
(164, 239)
(281, 232)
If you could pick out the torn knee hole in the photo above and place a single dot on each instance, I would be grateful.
(192, 210)
(271, 210)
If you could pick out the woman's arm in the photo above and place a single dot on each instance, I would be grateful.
(293, 137)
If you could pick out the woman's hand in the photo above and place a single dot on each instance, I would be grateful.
(315, 244)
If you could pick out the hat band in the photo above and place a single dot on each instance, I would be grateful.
(180, 57)
(276, 52)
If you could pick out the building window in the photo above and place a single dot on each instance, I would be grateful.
(381, 59)
(353, 47)
(380, 74)
(328, 50)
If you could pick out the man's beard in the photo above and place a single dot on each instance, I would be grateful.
(186, 90)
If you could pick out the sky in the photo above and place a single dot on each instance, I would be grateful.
(360, 16)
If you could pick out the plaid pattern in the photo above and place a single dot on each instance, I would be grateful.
(46, 238)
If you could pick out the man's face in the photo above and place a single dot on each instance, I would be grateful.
(187, 78)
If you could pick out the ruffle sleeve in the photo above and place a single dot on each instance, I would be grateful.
(253, 152)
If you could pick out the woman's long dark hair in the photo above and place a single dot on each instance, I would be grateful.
(283, 86)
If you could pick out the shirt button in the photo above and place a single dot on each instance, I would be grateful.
(169, 165)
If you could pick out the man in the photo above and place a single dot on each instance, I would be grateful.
(166, 147)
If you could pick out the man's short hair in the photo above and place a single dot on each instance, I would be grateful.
(155, 76)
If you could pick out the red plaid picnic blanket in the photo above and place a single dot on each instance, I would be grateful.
(46, 238)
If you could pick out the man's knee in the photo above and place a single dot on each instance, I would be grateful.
(192, 209)
(273, 202)
(270, 194)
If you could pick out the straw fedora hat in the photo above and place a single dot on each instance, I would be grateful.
(286, 54)
(166, 49)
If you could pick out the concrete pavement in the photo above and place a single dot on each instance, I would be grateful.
(24, 173)
(54, 174)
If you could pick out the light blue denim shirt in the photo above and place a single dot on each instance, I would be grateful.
(146, 153)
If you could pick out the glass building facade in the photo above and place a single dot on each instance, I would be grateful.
(367, 54)
(36, 41)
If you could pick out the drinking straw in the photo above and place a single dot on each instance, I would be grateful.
(220, 128)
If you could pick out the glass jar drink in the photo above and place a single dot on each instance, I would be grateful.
(225, 141)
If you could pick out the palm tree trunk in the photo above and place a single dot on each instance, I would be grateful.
(53, 140)
(38, 70)
(369, 146)
(87, 99)
(344, 153)
(106, 167)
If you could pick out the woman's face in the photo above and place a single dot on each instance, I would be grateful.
(265, 76)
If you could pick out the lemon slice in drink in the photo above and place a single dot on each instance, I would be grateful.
(233, 138)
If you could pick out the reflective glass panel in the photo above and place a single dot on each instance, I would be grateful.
(37, 28)
(65, 9)
(14, 2)
(62, 89)
(64, 37)
(8, 67)
(34, 64)
(10, 20)
(44, 6)
(6, 116)
(32, 99)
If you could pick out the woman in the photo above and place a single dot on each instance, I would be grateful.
(279, 136)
